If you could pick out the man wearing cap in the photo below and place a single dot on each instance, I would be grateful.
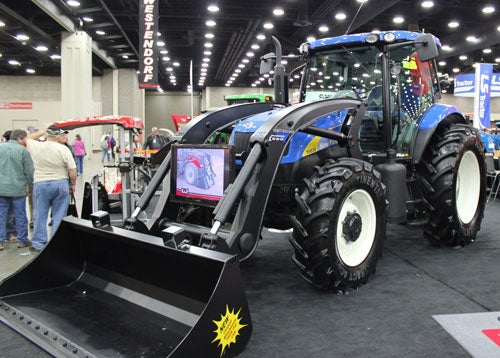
(16, 177)
(154, 140)
(55, 178)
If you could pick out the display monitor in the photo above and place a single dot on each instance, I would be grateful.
(201, 173)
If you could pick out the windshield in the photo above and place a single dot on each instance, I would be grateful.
(356, 72)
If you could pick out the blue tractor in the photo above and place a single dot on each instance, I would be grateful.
(367, 145)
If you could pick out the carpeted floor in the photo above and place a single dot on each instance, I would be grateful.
(390, 316)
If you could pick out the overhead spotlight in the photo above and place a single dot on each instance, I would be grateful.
(278, 11)
(268, 25)
(340, 16)
(73, 3)
(160, 43)
(30, 70)
(14, 63)
(210, 23)
(453, 24)
(398, 19)
(41, 48)
(87, 19)
(487, 50)
(488, 9)
(22, 37)
(176, 64)
(2, 24)
(323, 28)
(213, 8)
(427, 4)
(100, 32)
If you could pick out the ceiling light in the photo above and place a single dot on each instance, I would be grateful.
(453, 24)
(55, 57)
(206, 59)
(255, 47)
(278, 11)
(442, 63)
(446, 48)
(30, 70)
(176, 64)
(169, 69)
(323, 28)
(22, 37)
(73, 3)
(208, 45)
(471, 38)
(100, 32)
(203, 70)
(241, 65)
(268, 25)
(124, 56)
(14, 63)
(261, 37)
(2, 24)
(340, 16)
(250, 54)
(398, 19)
(209, 35)
(488, 9)
(237, 70)
(204, 65)
(41, 48)
(210, 23)
(456, 70)
(497, 59)
(207, 53)
(160, 43)
(427, 4)
(487, 50)
(311, 39)
(463, 57)
(245, 60)
(166, 58)
(213, 8)
(87, 19)
(163, 52)
(362, 1)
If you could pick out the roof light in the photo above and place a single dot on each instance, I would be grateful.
(73, 3)
(398, 19)
(41, 48)
(14, 63)
(210, 23)
(268, 25)
(487, 50)
(87, 19)
(427, 4)
(100, 32)
(278, 11)
(389, 37)
(340, 16)
(372, 38)
(213, 8)
(30, 70)
(323, 28)
(22, 37)
(261, 37)
(453, 24)
(488, 9)
(160, 43)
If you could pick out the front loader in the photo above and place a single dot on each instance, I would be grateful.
(367, 145)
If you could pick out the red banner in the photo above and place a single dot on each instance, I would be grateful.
(148, 56)
(16, 105)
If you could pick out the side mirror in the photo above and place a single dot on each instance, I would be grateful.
(426, 47)
(267, 63)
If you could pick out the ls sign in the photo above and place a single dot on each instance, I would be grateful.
(148, 51)
(482, 96)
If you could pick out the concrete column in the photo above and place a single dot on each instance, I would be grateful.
(76, 75)
(76, 82)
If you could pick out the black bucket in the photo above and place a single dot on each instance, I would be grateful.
(117, 293)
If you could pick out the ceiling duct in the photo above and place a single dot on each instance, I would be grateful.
(302, 16)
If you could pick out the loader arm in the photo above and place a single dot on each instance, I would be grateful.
(252, 186)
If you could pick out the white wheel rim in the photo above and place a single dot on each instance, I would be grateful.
(190, 173)
(468, 188)
(353, 253)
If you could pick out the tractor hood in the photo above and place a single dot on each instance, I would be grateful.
(251, 124)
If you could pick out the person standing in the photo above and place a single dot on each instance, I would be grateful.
(105, 149)
(16, 177)
(54, 179)
(111, 145)
(79, 149)
(10, 229)
(136, 145)
(154, 140)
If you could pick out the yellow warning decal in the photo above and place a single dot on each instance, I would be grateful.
(228, 328)
(312, 147)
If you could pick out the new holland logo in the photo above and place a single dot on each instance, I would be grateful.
(228, 328)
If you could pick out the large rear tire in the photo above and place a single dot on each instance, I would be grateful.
(452, 173)
(339, 231)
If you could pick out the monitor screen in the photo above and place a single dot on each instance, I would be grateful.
(201, 173)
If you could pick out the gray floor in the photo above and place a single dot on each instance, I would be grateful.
(390, 316)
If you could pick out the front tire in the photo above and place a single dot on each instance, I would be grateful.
(191, 173)
(452, 172)
(340, 228)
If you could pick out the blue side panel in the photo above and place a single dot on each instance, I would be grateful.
(361, 38)
(434, 115)
(301, 144)
(491, 141)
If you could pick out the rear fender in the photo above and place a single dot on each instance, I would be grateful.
(435, 117)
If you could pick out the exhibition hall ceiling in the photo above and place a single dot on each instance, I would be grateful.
(224, 39)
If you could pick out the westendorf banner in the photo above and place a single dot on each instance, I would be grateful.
(148, 56)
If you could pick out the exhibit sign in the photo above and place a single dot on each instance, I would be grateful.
(481, 85)
(148, 56)
(482, 95)
(16, 105)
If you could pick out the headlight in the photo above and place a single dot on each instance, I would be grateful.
(304, 48)
(389, 37)
(372, 38)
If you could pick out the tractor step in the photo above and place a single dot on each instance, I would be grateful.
(417, 222)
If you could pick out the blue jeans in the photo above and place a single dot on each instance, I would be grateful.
(105, 154)
(79, 163)
(11, 223)
(19, 206)
(47, 194)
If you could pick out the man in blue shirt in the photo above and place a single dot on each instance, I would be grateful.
(16, 177)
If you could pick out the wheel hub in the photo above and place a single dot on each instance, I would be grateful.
(351, 227)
